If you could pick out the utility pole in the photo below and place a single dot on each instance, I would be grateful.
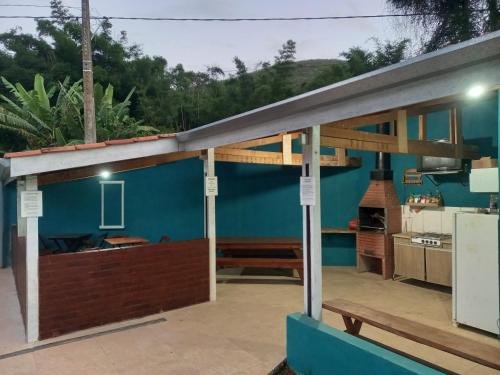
(88, 77)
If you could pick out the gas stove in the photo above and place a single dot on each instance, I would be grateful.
(430, 239)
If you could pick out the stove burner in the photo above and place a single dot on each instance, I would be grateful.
(430, 239)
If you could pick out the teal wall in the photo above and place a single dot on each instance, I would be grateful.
(263, 200)
(166, 199)
(256, 200)
(314, 348)
(480, 124)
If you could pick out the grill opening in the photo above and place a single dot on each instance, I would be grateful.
(372, 219)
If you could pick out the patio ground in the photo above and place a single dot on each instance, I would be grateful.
(242, 333)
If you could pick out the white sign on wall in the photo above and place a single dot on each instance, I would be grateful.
(31, 204)
(211, 186)
(307, 191)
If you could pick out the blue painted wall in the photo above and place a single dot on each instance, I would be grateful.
(480, 124)
(314, 348)
(256, 199)
(166, 199)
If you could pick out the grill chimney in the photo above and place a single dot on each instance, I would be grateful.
(382, 169)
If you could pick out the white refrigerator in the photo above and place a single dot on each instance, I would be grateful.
(475, 271)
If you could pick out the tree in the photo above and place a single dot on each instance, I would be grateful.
(359, 61)
(31, 116)
(450, 21)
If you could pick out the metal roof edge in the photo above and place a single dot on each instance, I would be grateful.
(447, 59)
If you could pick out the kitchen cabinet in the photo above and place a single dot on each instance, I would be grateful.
(420, 262)
(409, 260)
(438, 265)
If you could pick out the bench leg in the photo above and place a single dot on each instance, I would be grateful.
(352, 327)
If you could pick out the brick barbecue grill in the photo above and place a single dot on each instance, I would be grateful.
(379, 218)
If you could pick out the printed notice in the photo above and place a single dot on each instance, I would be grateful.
(211, 187)
(31, 204)
(307, 191)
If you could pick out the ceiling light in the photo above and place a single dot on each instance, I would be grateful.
(105, 174)
(476, 91)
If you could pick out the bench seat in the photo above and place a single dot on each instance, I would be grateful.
(291, 263)
(483, 354)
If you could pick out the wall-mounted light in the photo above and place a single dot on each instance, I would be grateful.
(105, 174)
(476, 91)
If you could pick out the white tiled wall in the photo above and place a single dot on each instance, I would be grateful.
(439, 219)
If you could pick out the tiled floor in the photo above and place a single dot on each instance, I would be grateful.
(242, 333)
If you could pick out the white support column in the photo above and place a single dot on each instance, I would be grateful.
(31, 269)
(209, 168)
(312, 226)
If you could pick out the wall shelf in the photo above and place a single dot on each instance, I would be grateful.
(337, 230)
(423, 205)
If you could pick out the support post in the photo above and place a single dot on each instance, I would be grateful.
(286, 149)
(209, 169)
(88, 77)
(402, 131)
(311, 218)
(31, 269)
(422, 127)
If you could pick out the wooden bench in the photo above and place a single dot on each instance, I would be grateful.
(355, 315)
(249, 251)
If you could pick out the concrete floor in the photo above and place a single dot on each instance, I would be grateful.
(242, 333)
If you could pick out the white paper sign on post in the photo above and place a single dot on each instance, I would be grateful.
(31, 204)
(211, 186)
(307, 191)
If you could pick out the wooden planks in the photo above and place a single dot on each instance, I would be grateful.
(259, 243)
(333, 230)
(357, 122)
(402, 131)
(276, 158)
(263, 141)
(119, 166)
(250, 246)
(286, 149)
(486, 355)
(126, 241)
(260, 262)
(357, 140)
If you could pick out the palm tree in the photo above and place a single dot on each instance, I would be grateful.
(30, 114)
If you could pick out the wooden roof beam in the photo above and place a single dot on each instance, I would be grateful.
(115, 167)
(263, 141)
(276, 158)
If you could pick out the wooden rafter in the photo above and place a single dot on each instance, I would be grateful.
(357, 140)
(358, 122)
(119, 166)
(332, 136)
(263, 141)
(276, 158)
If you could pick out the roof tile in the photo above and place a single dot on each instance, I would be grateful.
(146, 138)
(21, 154)
(167, 135)
(88, 146)
(119, 141)
(58, 149)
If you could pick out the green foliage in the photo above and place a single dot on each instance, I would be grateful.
(168, 98)
(32, 117)
(451, 21)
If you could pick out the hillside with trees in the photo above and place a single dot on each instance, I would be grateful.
(145, 95)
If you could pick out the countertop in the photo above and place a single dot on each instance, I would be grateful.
(408, 235)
